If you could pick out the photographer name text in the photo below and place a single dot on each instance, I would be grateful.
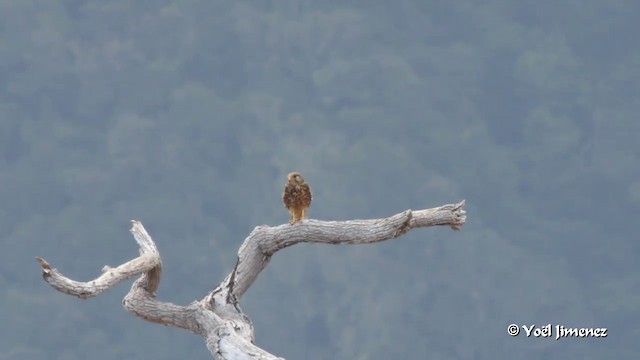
(558, 331)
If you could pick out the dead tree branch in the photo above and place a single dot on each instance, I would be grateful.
(217, 317)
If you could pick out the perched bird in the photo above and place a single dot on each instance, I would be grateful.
(296, 196)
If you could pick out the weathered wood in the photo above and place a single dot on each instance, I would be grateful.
(148, 262)
(257, 249)
(227, 331)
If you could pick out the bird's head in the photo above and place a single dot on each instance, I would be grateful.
(295, 178)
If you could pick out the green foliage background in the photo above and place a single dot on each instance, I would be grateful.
(187, 115)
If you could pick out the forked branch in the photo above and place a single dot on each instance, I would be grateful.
(227, 331)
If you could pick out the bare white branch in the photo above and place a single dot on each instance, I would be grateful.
(227, 331)
(257, 249)
(110, 276)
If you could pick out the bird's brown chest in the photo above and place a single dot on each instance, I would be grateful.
(297, 195)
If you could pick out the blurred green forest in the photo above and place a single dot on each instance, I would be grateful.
(187, 115)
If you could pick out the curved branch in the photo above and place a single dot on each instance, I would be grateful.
(149, 261)
(256, 251)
